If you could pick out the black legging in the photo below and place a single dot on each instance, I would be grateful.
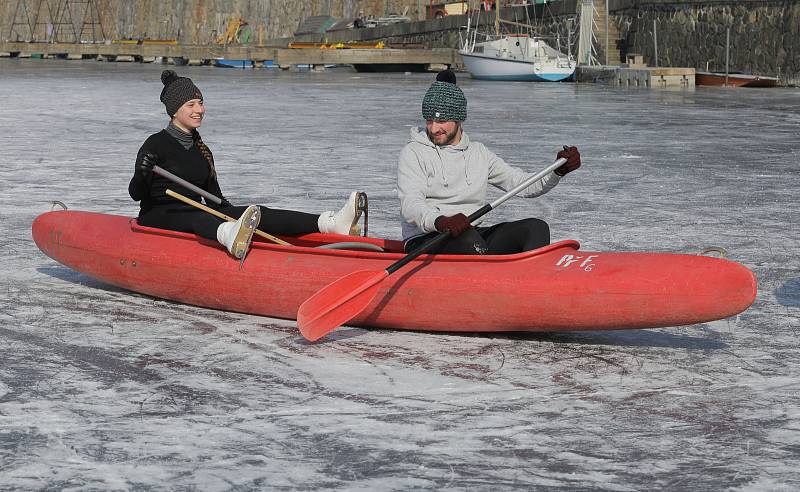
(504, 238)
(189, 219)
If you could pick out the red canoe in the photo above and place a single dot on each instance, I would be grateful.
(555, 288)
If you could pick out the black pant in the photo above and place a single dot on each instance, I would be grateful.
(504, 238)
(189, 219)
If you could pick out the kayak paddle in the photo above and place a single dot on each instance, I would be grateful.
(220, 215)
(346, 297)
(208, 196)
(189, 186)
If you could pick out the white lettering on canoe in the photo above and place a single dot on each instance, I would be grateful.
(586, 264)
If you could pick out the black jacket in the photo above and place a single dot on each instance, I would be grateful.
(190, 165)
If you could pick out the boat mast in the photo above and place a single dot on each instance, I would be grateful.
(497, 18)
(465, 46)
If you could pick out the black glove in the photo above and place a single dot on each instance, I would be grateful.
(456, 224)
(573, 158)
(144, 168)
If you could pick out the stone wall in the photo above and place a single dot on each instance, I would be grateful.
(764, 35)
(557, 23)
(188, 21)
(202, 21)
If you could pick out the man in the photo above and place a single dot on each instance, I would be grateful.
(358, 23)
(442, 177)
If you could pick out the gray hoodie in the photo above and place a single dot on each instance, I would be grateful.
(434, 181)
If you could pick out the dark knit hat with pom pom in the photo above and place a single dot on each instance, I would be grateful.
(444, 100)
(177, 90)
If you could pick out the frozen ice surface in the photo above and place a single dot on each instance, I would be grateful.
(106, 389)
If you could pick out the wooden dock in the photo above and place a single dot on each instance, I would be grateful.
(282, 57)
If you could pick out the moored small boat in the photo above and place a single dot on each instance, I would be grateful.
(232, 63)
(517, 58)
(554, 288)
(734, 79)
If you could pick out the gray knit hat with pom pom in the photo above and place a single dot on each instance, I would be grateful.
(176, 91)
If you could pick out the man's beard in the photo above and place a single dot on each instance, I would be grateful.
(448, 137)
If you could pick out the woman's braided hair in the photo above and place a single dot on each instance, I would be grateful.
(206, 152)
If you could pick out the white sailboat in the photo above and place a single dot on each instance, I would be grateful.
(514, 57)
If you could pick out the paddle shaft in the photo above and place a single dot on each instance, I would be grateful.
(436, 240)
(218, 214)
(208, 196)
(189, 186)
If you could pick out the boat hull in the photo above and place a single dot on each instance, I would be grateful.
(555, 288)
(390, 67)
(486, 68)
(231, 63)
(717, 79)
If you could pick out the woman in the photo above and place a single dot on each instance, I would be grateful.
(180, 150)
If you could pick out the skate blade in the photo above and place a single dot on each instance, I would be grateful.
(361, 207)
(244, 237)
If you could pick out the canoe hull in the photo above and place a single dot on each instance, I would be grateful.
(555, 288)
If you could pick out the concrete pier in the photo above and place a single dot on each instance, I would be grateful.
(645, 77)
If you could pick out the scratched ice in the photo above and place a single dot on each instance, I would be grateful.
(105, 389)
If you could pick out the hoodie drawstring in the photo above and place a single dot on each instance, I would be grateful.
(444, 174)
(441, 161)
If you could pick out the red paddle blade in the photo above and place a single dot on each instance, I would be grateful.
(338, 302)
